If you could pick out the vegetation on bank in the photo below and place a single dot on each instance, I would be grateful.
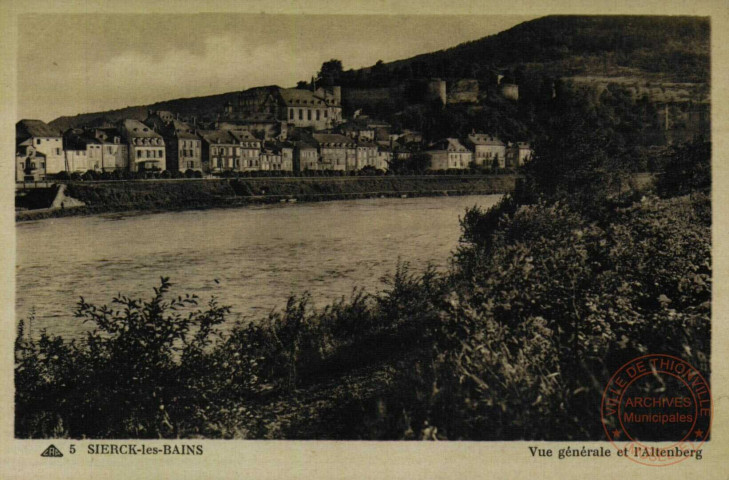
(150, 195)
(550, 292)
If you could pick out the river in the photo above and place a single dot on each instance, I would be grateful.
(250, 258)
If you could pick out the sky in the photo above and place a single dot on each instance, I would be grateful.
(78, 63)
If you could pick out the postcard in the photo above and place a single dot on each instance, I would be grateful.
(267, 240)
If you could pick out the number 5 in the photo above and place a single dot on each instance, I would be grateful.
(72, 449)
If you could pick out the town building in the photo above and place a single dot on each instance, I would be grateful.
(277, 156)
(358, 131)
(114, 153)
(76, 158)
(320, 108)
(76, 149)
(336, 152)
(183, 147)
(250, 151)
(448, 153)
(517, 154)
(270, 160)
(286, 152)
(306, 155)
(366, 154)
(145, 146)
(46, 141)
(221, 151)
(97, 149)
(488, 151)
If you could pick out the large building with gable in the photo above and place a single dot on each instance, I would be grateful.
(320, 108)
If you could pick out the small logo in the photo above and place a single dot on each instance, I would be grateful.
(52, 451)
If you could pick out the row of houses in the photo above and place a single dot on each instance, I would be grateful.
(477, 149)
(161, 143)
(269, 129)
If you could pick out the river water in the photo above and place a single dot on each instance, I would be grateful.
(250, 258)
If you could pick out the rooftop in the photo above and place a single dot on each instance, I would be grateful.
(450, 144)
(135, 128)
(298, 96)
(219, 136)
(243, 136)
(483, 139)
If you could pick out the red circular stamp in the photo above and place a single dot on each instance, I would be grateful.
(656, 410)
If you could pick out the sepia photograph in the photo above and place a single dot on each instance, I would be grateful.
(254, 226)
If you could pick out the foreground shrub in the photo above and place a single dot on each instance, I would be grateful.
(549, 309)
(129, 378)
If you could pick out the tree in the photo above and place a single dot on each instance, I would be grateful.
(330, 73)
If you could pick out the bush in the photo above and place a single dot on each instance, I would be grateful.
(90, 175)
(554, 306)
(687, 170)
(137, 374)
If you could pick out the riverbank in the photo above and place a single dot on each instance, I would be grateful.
(175, 195)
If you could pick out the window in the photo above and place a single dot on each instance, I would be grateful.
(308, 114)
(301, 116)
(43, 164)
(161, 153)
(58, 151)
(291, 113)
(326, 113)
(139, 154)
(32, 165)
(149, 153)
(37, 142)
(318, 113)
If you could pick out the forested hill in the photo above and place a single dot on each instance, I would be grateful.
(677, 47)
(655, 49)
